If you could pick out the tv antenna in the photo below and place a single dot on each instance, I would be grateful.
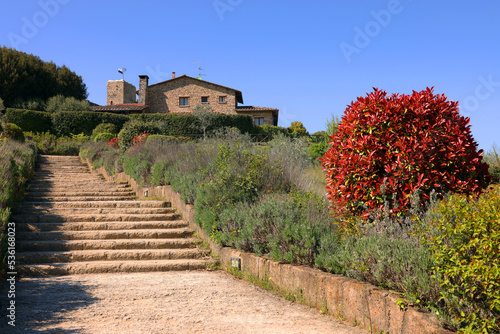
(199, 70)
(122, 71)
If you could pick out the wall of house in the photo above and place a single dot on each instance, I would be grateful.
(120, 92)
(268, 115)
(164, 97)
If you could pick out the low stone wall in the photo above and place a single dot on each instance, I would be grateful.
(350, 300)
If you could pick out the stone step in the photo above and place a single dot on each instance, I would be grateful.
(68, 168)
(61, 179)
(173, 233)
(83, 186)
(100, 204)
(92, 211)
(80, 198)
(86, 226)
(76, 218)
(59, 245)
(94, 267)
(75, 183)
(76, 193)
(108, 255)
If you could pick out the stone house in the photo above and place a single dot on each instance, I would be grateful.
(181, 95)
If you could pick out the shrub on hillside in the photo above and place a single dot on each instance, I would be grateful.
(105, 128)
(161, 139)
(29, 120)
(17, 161)
(288, 227)
(388, 147)
(12, 131)
(66, 123)
(2, 106)
(51, 144)
(235, 175)
(465, 246)
(188, 124)
(104, 136)
(135, 128)
(63, 103)
(268, 132)
(297, 129)
(30, 104)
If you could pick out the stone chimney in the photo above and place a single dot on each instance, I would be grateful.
(143, 89)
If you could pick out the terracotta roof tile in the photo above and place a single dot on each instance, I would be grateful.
(254, 108)
(121, 108)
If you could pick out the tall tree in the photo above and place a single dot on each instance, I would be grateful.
(26, 77)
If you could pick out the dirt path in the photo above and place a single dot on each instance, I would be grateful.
(169, 302)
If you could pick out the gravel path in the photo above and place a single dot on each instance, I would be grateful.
(166, 302)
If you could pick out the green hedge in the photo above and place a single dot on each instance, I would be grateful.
(29, 120)
(187, 124)
(65, 123)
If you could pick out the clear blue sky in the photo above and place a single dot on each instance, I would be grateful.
(309, 59)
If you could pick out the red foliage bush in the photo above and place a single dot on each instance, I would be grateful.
(113, 143)
(399, 144)
(140, 139)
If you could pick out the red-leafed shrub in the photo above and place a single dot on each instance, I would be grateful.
(388, 147)
(113, 143)
(140, 139)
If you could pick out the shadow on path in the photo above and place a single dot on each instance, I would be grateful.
(43, 303)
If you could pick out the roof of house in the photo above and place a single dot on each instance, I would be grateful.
(239, 95)
(254, 108)
(121, 108)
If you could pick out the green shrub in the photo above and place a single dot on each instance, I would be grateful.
(136, 163)
(297, 129)
(492, 158)
(63, 103)
(134, 128)
(2, 106)
(14, 132)
(188, 124)
(288, 227)
(105, 128)
(268, 132)
(103, 136)
(465, 245)
(161, 139)
(17, 161)
(35, 104)
(235, 175)
(29, 120)
(65, 123)
(51, 144)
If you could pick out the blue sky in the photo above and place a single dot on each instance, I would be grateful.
(309, 59)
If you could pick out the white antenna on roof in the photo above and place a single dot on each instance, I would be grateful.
(199, 69)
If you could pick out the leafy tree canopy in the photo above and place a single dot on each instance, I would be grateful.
(25, 77)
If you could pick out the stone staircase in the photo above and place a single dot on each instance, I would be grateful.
(75, 222)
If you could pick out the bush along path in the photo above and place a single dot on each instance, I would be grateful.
(75, 222)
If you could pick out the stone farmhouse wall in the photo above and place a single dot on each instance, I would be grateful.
(164, 97)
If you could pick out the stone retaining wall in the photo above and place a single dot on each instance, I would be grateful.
(350, 300)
